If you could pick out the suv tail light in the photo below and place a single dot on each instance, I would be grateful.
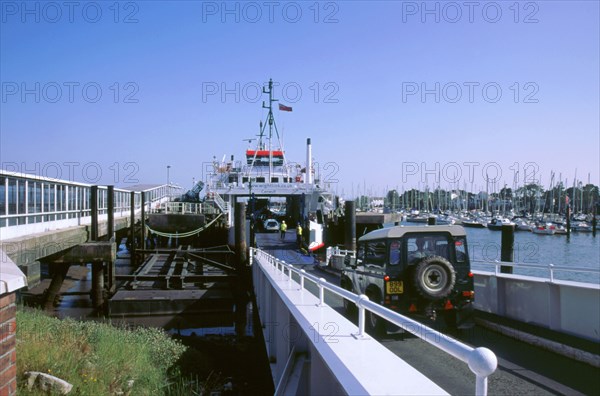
(468, 293)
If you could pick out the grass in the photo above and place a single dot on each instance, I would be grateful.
(101, 359)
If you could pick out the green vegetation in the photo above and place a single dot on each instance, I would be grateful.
(99, 358)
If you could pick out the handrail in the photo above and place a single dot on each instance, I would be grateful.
(220, 202)
(481, 361)
(178, 208)
(551, 268)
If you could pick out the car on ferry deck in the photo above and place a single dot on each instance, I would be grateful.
(271, 225)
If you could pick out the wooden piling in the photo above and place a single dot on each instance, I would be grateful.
(431, 220)
(240, 234)
(97, 267)
(132, 229)
(58, 277)
(507, 247)
(110, 201)
(111, 277)
(242, 281)
(94, 210)
(143, 222)
(350, 231)
(110, 235)
(97, 284)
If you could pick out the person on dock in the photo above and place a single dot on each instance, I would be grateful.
(283, 229)
(299, 236)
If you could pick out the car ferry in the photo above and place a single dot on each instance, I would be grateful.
(266, 172)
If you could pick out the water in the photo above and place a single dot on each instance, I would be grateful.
(581, 250)
(79, 306)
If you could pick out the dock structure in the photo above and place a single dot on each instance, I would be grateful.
(43, 218)
(59, 223)
(175, 281)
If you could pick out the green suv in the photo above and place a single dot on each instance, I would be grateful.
(413, 270)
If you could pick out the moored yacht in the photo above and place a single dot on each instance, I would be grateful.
(497, 222)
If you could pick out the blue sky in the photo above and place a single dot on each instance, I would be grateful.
(391, 93)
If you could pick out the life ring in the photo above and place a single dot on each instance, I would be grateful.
(434, 278)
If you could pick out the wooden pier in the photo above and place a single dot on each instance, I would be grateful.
(174, 281)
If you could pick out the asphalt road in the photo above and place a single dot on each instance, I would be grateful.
(523, 369)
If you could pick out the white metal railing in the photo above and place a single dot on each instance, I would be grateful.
(32, 203)
(178, 208)
(481, 361)
(219, 201)
(549, 270)
(335, 250)
(334, 256)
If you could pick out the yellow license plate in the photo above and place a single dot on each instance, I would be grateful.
(394, 287)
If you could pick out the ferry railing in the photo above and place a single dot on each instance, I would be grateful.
(178, 208)
(293, 185)
(481, 361)
(224, 206)
(211, 209)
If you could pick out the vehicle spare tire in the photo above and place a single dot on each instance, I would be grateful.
(434, 278)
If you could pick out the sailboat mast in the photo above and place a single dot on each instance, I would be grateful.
(559, 192)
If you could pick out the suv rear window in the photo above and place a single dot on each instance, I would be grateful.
(421, 246)
(375, 252)
(461, 250)
(395, 252)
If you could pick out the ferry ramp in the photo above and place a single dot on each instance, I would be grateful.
(285, 249)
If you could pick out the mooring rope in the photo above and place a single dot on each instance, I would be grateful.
(185, 234)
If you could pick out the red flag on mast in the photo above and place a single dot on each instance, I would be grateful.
(284, 107)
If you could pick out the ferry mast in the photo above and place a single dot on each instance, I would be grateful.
(272, 126)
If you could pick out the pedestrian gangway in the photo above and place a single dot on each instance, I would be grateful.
(313, 349)
(31, 204)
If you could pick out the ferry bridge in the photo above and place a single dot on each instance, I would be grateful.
(311, 346)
